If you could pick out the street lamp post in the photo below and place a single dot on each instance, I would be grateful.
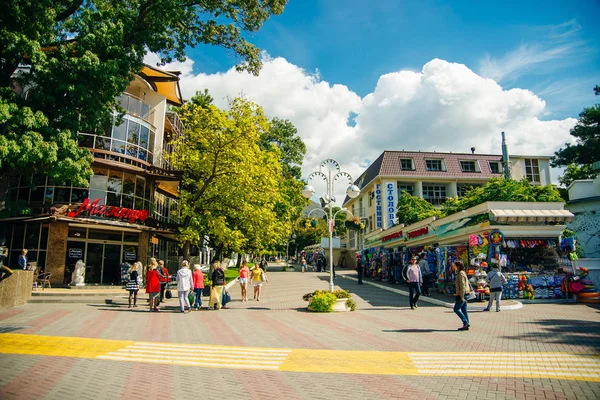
(330, 171)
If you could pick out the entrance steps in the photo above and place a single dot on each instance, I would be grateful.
(85, 295)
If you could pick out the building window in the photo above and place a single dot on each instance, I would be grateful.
(532, 170)
(434, 165)
(434, 194)
(495, 167)
(406, 164)
(408, 188)
(461, 190)
(468, 166)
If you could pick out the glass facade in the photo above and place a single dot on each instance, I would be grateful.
(130, 139)
(113, 187)
(32, 236)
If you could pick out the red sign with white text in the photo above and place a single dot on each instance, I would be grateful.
(109, 211)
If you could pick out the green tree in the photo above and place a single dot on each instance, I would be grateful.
(575, 172)
(587, 147)
(413, 209)
(500, 189)
(63, 64)
(230, 186)
(282, 137)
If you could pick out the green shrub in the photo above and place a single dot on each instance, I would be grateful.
(322, 302)
(351, 304)
(342, 294)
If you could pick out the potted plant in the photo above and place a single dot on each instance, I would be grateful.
(207, 285)
(322, 301)
(354, 224)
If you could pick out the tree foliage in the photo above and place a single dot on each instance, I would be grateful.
(413, 209)
(63, 64)
(500, 189)
(575, 172)
(587, 135)
(231, 187)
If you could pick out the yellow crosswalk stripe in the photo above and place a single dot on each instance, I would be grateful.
(506, 364)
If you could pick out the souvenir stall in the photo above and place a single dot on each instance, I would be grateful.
(522, 238)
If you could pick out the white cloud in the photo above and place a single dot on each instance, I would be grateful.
(444, 107)
(558, 46)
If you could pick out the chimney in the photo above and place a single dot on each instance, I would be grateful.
(505, 159)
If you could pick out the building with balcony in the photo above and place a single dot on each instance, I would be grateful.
(432, 176)
(128, 213)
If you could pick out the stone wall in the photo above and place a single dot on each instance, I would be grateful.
(16, 290)
(57, 251)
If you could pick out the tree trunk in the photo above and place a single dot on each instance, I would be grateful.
(239, 260)
(186, 250)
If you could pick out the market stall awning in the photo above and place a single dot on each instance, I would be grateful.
(532, 215)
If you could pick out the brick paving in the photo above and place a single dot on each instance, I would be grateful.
(383, 322)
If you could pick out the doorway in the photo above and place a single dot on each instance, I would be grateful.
(102, 263)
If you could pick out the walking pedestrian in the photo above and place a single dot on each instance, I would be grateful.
(424, 265)
(243, 279)
(495, 280)
(185, 283)
(198, 278)
(133, 284)
(462, 288)
(257, 278)
(216, 292)
(163, 276)
(415, 280)
(153, 285)
(359, 269)
(303, 264)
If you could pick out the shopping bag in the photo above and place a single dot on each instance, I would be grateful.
(168, 294)
(226, 297)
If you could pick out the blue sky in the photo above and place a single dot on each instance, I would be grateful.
(554, 44)
(360, 77)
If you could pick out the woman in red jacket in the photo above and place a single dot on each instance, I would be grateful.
(198, 278)
(153, 285)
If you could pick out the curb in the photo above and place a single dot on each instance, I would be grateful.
(433, 301)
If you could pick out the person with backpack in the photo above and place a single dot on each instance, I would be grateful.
(495, 280)
(216, 292)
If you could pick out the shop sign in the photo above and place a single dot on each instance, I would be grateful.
(75, 253)
(378, 217)
(129, 256)
(496, 238)
(93, 209)
(390, 188)
(392, 236)
(418, 232)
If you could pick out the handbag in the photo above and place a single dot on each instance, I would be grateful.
(226, 297)
(263, 277)
(168, 294)
(471, 295)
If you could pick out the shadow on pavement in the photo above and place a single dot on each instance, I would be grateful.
(418, 330)
(375, 296)
(564, 331)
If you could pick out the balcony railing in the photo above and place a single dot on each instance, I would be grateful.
(136, 106)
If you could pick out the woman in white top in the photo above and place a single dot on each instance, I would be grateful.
(185, 283)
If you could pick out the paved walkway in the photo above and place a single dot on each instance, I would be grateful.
(383, 350)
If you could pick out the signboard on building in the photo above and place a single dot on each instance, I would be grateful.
(378, 214)
(102, 210)
(391, 204)
(336, 243)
